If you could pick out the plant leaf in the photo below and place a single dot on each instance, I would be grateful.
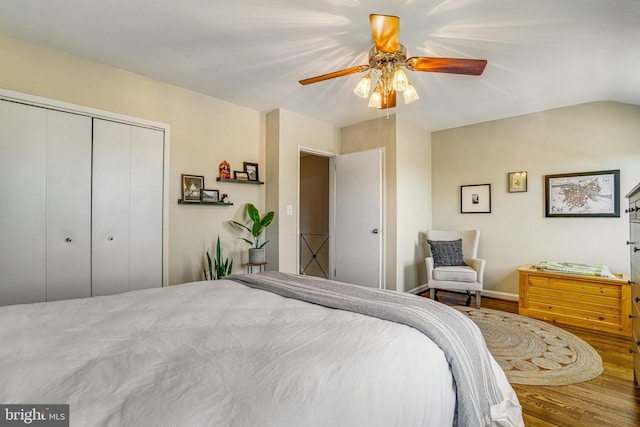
(240, 225)
(252, 211)
(266, 220)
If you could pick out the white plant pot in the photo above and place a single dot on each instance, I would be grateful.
(256, 256)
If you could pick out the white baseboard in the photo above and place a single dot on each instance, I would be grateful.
(418, 289)
(485, 293)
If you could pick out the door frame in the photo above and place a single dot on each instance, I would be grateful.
(332, 211)
(53, 104)
(332, 206)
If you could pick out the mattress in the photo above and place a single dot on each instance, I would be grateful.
(222, 354)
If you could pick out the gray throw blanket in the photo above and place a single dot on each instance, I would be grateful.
(458, 337)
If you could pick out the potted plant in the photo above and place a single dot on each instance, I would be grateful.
(218, 269)
(256, 252)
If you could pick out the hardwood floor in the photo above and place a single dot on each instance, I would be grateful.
(612, 399)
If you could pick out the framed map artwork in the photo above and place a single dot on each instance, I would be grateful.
(586, 194)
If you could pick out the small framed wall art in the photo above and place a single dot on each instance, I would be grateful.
(517, 182)
(584, 194)
(210, 196)
(252, 171)
(192, 186)
(240, 176)
(475, 198)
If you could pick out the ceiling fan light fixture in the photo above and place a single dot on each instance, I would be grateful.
(399, 81)
(376, 98)
(363, 87)
(410, 94)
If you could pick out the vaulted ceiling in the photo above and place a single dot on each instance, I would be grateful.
(541, 54)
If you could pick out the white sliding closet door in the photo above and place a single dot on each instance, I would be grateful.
(147, 160)
(68, 206)
(23, 139)
(45, 221)
(111, 169)
(127, 207)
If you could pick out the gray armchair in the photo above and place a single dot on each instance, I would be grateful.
(446, 271)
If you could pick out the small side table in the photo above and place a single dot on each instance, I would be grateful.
(261, 267)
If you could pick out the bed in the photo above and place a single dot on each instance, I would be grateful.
(236, 352)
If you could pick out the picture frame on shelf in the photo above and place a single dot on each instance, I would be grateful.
(583, 194)
(517, 182)
(192, 186)
(252, 171)
(240, 176)
(210, 195)
(475, 198)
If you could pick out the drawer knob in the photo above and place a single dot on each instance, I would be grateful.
(636, 299)
(631, 351)
(110, 238)
(68, 239)
(635, 249)
(631, 316)
(630, 243)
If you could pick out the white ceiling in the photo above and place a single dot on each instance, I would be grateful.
(541, 54)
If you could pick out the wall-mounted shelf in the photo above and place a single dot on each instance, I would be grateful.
(182, 202)
(240, 181)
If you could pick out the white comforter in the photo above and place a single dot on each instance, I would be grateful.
(221, 354)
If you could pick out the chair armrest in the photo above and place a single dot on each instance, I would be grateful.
(429, 262)
(478, 265)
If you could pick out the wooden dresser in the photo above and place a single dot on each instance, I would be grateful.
(634, 247)
(590, 302)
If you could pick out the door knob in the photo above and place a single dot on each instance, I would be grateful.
(374, 231)
(68, 239)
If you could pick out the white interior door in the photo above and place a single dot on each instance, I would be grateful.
(147, 150)
(358, 218)
(23, 139)
(111, 199)
(68, 206)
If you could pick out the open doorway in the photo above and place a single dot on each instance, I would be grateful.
(314, 215)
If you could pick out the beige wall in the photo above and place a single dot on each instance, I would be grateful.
(380, 133)
(413, 153)
(204, 132)
(407, 187)
(588, 137)
(287, 132)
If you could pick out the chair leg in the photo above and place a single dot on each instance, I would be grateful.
(478, 296)
(433, 294)
(468, 301)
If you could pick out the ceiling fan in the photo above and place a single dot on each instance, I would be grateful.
(385, 61)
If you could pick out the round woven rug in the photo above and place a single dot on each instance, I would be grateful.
(534, 352)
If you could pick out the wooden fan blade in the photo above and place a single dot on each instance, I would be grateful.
(391, 100)
(335, 74)
(473, 67)
(385, 31)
